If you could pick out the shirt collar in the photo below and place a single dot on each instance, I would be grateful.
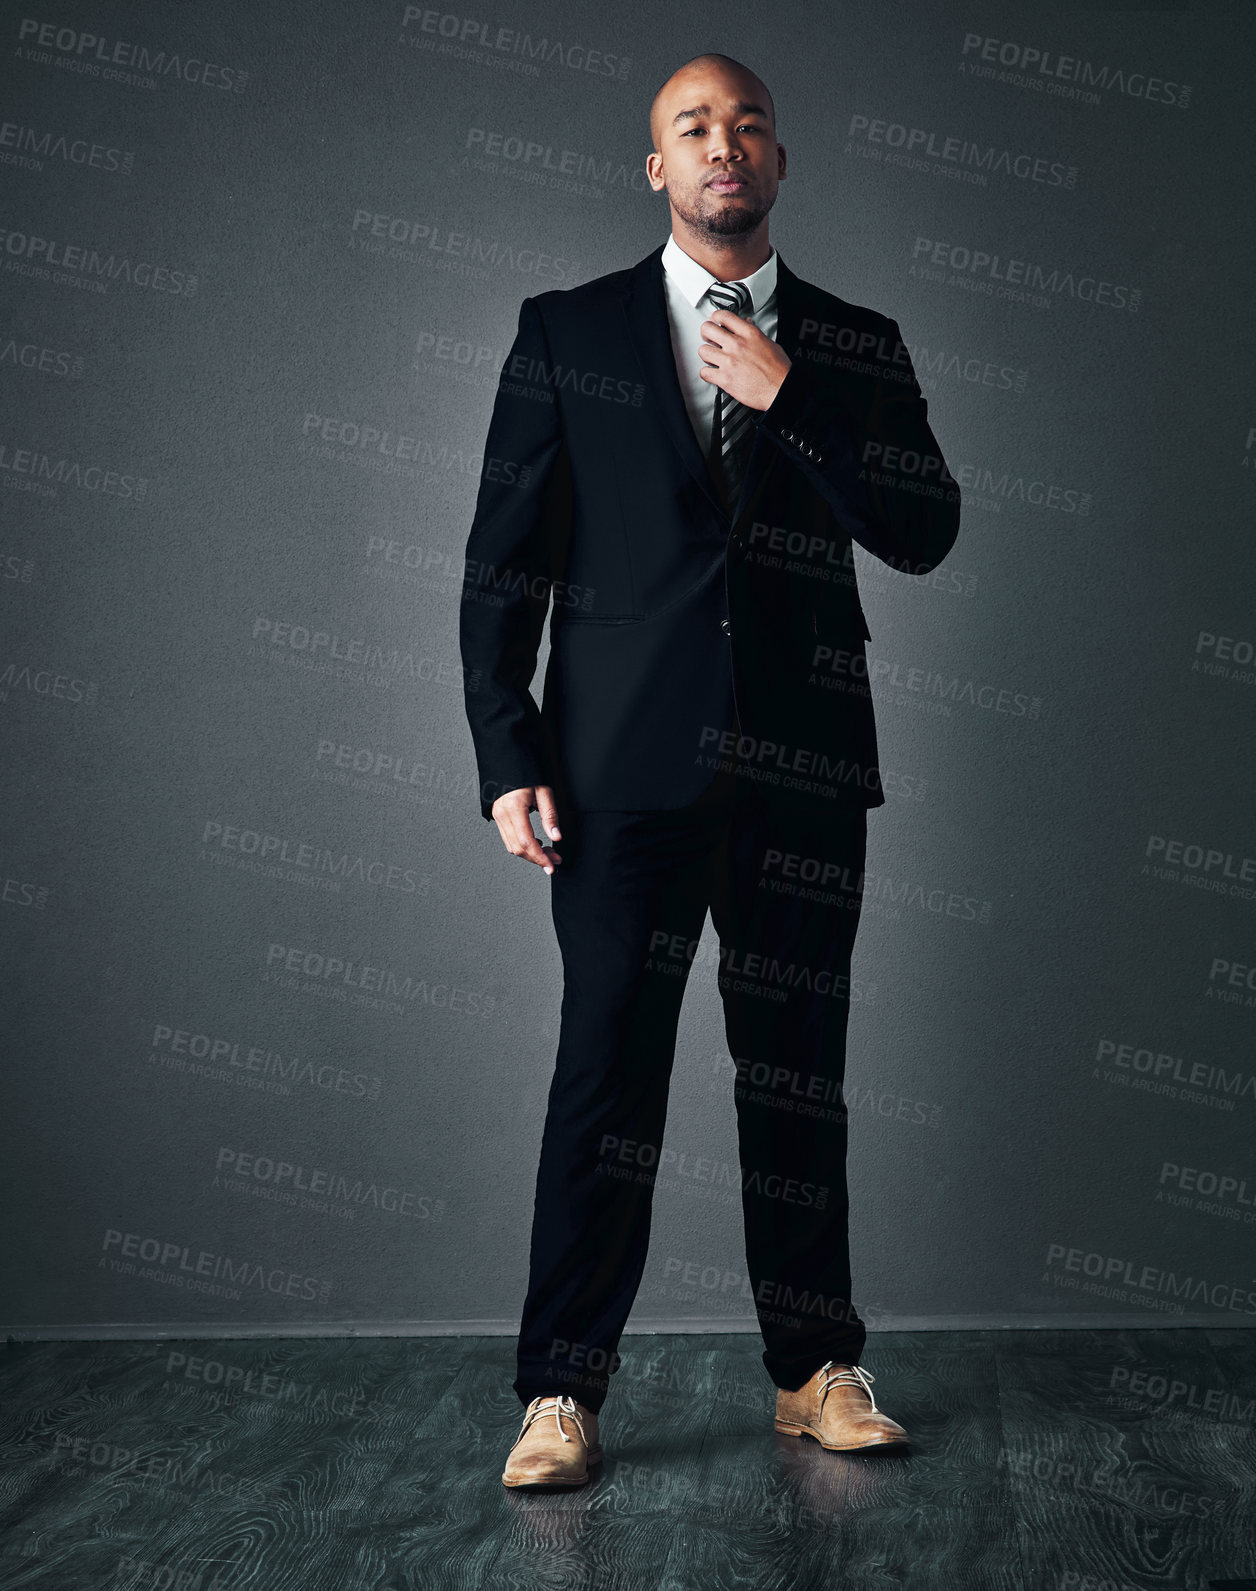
(694, 279)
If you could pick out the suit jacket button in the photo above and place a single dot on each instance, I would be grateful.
(726, 627)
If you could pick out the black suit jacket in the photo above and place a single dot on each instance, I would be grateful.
(674, 623)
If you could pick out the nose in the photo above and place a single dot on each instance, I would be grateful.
(723, 146)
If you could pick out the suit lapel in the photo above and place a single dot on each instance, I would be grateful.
(790, 303)
(763, 455)
(645, 307)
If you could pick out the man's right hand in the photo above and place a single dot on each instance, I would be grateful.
(511, 815)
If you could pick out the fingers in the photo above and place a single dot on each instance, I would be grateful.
(511, 813)
(548, 811)
(719, 372)
(720, 341)
(730, 325)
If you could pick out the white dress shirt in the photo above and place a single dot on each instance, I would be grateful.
(686, 283)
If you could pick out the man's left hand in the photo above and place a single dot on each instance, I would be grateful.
(739, 358)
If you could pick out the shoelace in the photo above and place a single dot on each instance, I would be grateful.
(847, 1376)
(561, 1406)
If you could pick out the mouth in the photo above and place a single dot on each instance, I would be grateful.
(727, 184)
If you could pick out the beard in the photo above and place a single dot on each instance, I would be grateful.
(717, 217)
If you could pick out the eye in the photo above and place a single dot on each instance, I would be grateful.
(750, 127)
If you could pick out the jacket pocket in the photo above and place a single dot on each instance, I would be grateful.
(597, 618)
(835, 625)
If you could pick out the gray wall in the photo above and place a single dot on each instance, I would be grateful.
(249, 907)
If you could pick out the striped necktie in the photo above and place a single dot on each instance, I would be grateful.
(732, 429)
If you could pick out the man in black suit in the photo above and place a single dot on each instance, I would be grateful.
(679, 459)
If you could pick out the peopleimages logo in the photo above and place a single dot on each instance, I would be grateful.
(29, 147)
(46, 361)
(1069, 76)
(446, 33)
(92, 55)
(424, 242)
(82, 264)
(26, 468)
(1152, 1388)
(933, 364)
(287, 1180)
(23, 893)
(994, 487)
(1173, 1073)
(380, 447)
(978, 161)
(1230, 1195)
(1117, 1274)
(940, 690)
(1225, 657)
(981, 271)
(384, 661)
(187, 1050)
(487, 144)
(34, 680)
(201, 1270)
(357, 982)
(1172, 860)
(1232, 982)
(294, 852)
(631, 1159)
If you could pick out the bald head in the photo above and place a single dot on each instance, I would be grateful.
(673, 98)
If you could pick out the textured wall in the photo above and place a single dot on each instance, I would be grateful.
(259, 272)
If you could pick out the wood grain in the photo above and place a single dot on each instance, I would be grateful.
(373, 1464)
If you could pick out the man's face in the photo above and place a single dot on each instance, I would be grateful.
(717, 153)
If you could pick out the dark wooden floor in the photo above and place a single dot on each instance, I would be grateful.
(1074, 1461)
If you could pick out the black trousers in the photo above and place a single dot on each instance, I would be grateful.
(629, 899)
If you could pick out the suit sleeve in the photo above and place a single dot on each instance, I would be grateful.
(865, 444)
(510, 557)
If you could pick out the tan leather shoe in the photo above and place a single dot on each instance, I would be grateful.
(557, 1443)
(837, 1408)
